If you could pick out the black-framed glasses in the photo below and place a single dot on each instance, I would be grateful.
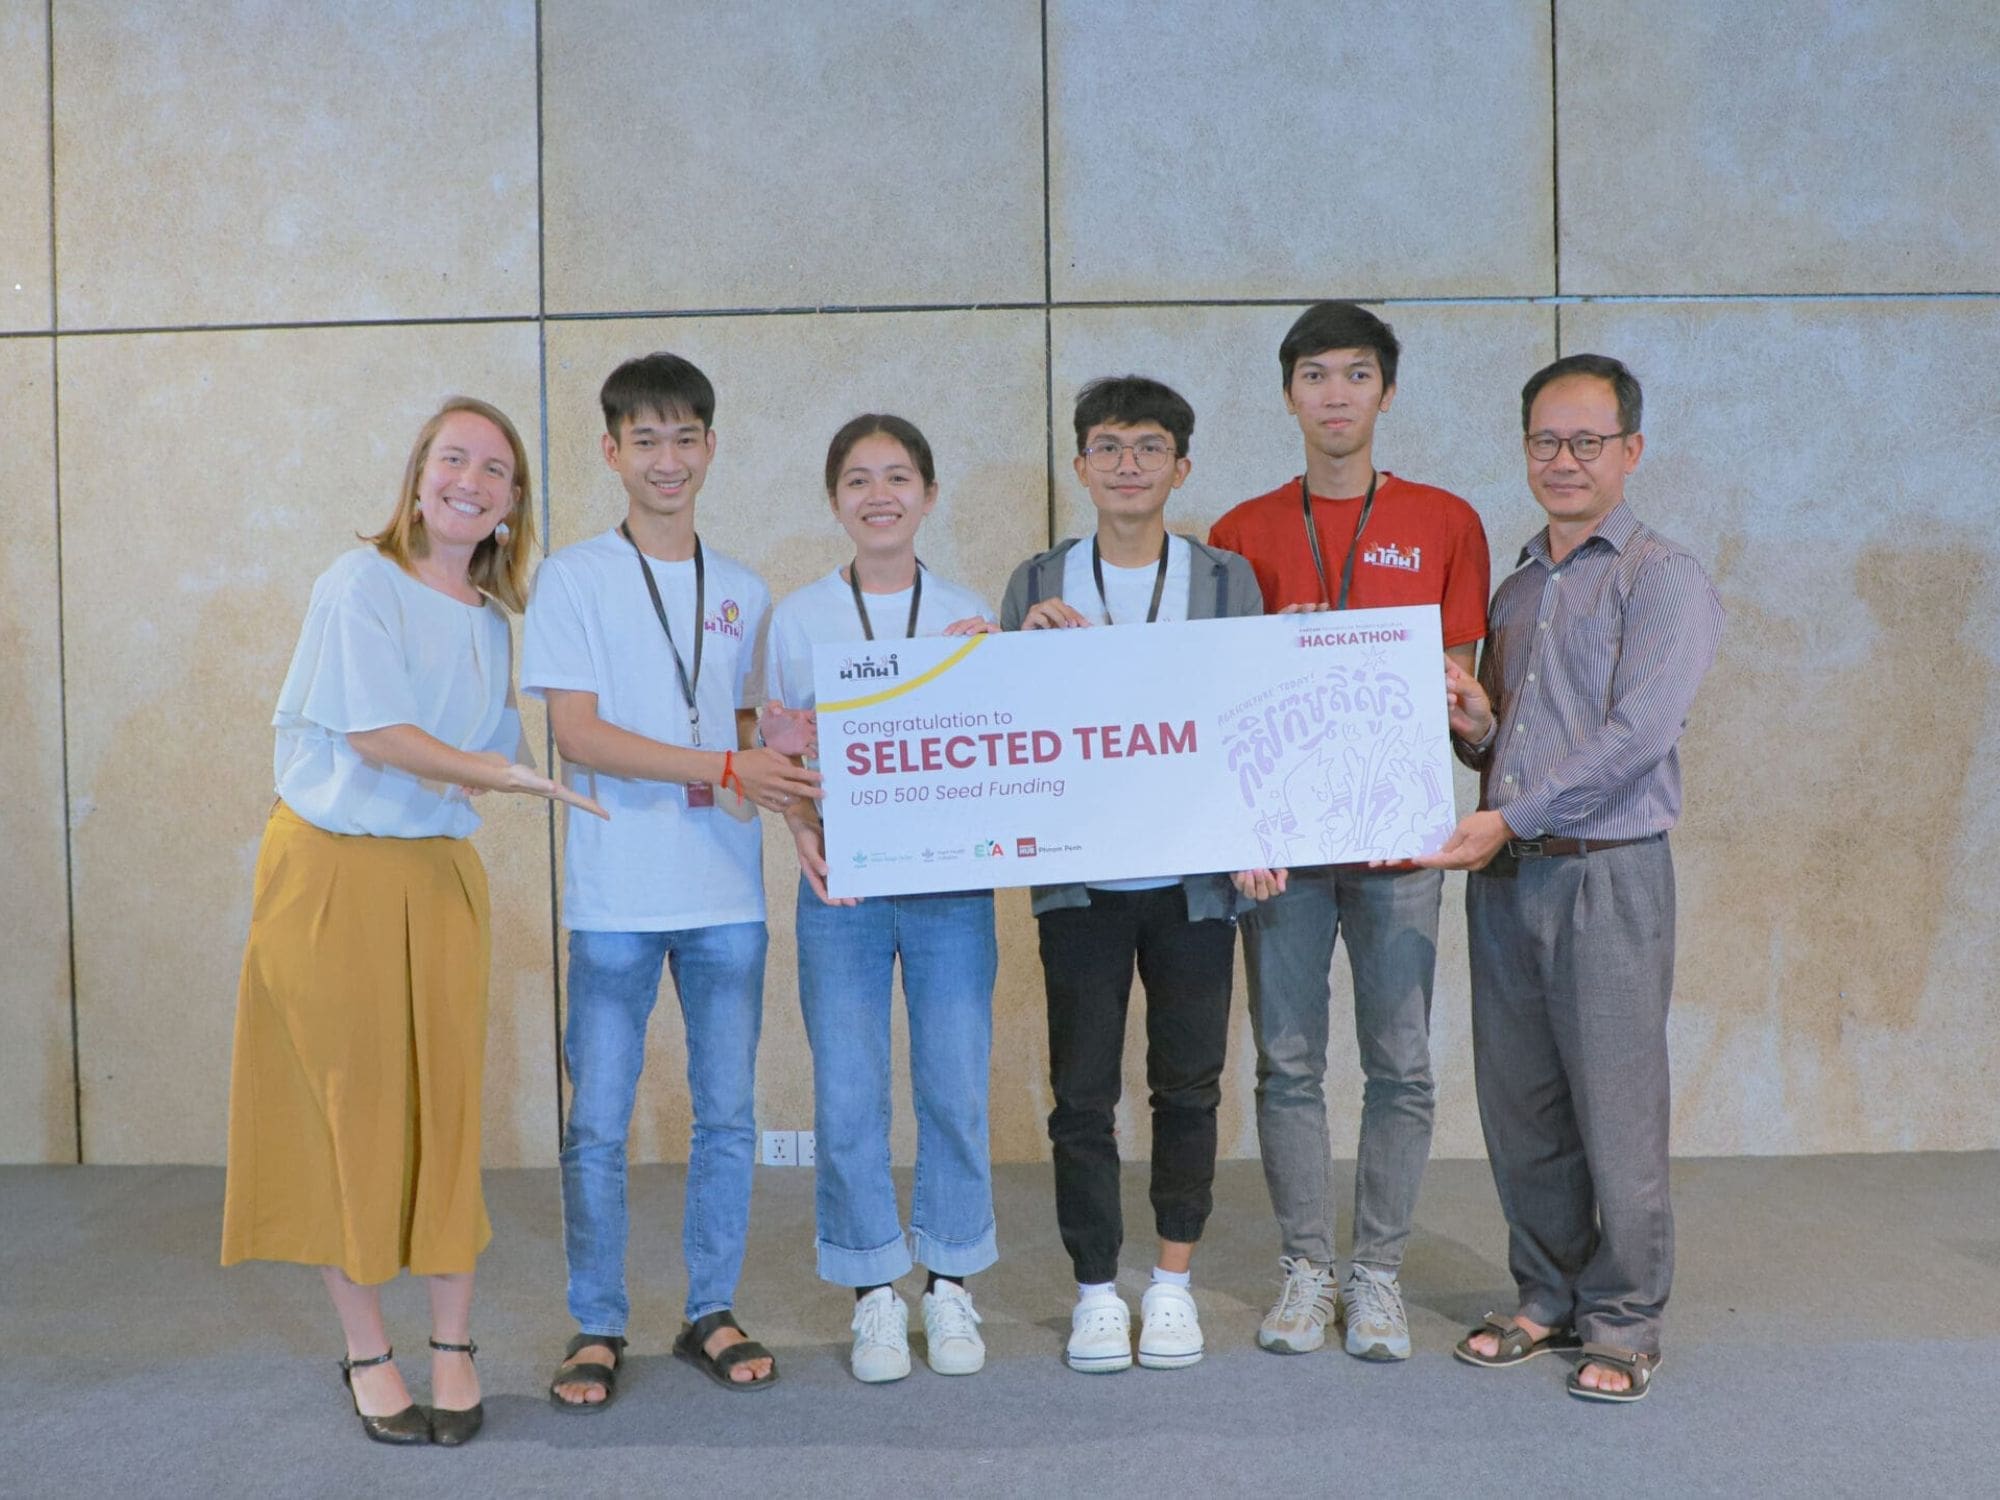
(1151, 454)
(1583, 446)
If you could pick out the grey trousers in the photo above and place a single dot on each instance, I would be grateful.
(1572, 968)
(1389, 918)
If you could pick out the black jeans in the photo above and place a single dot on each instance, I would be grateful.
(1088, 955)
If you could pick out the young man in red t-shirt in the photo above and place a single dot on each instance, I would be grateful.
(1345, 536)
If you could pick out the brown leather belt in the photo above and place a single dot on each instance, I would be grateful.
(1557, 848)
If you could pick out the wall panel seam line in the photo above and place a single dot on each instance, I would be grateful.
(548, 537)
(62, 644)
(1048, 305)
(1555, 168)
(1565, 299)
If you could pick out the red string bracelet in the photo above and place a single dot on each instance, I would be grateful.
(729, 774)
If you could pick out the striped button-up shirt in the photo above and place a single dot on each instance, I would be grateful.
(1592, 665)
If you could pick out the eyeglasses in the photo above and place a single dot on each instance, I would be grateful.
(1151, 454)
(1583, 446)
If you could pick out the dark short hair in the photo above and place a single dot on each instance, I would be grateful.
(1624, 385)
(663, 385)
(1339, 325)
(873, 424)
(1127, 401)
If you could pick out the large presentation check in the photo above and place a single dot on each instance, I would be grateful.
(1039, 757)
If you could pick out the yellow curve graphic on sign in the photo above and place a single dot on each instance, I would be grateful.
(847, 705)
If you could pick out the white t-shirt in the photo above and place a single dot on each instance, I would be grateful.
(823, 611)
(657, 865)
(1128, 592)
(379, 648)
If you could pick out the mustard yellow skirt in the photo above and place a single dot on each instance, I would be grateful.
(360, 1049)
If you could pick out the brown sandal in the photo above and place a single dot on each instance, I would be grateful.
(1517, 1345)
(1637, 1367)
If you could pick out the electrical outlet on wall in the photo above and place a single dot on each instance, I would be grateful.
(781, 1148)
(805, 1152)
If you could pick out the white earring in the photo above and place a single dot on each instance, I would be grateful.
(502, 532)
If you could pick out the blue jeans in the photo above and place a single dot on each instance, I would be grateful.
(847, 958)
(614, 978)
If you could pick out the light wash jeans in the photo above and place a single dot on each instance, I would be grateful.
(1389, 918)
(614, 979)
(847, 959)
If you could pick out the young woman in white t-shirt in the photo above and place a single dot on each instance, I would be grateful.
(881, 483)
(361, 1017)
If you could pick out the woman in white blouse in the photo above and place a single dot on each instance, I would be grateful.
(361, 1016)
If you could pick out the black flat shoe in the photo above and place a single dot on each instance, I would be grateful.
(404, 1428)
(453, 1429)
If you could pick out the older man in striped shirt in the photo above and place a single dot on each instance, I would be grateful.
(1595, 647)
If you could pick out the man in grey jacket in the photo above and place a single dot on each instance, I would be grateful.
(1180, 931)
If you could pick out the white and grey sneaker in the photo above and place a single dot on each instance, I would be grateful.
(952, 1345)
(1297, 1323)
(881, 1337)
(1371, 1305)
(1170, 1332)
(1100, 1335)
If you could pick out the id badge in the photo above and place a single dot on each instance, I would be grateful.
(700, 794)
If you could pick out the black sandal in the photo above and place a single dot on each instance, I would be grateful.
(454, 1428)
(689, 1346)
(589, 1372)
(402, 1429)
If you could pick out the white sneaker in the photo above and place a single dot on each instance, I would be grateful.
(1371, 1305)
(881, 1337)
(1100, 1336)
(952, 1345)
(1170, 1336)
(1296, 1323)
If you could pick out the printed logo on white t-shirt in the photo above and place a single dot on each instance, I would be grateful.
(728, 620)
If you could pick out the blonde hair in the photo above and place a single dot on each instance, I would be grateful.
(499, 569)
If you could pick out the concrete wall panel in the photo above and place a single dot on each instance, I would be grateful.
(37, 1080)
(1296, 149)
(973, 382)
(721, 155)
(1832, 465)
(246, 163)
(1794, 146)
(186, 571)
(24, 167)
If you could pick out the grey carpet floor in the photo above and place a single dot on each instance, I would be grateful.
(1835, 1330)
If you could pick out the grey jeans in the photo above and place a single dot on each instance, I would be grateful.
(1389, 918)
(1572, 969)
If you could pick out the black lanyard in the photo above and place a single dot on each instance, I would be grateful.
(916, 601)
(688, 685)
(1159, 580)
(1312, 536)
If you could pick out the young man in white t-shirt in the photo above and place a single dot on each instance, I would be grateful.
(1179, 931)
(645, 645)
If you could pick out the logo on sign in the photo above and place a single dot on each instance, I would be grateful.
(868, 668)
(1024, 848)
(988, 849)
